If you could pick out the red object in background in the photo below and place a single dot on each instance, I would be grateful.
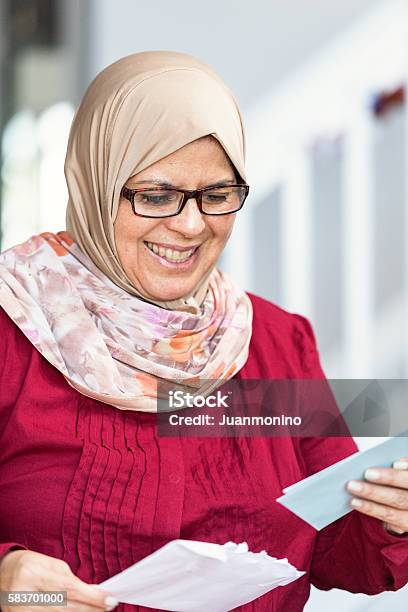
(387, 101)
(96, 486)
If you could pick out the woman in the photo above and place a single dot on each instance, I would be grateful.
(94, 317)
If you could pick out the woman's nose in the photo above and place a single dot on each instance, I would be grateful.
(190, 221)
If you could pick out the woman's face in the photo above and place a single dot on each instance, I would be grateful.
(198, 164)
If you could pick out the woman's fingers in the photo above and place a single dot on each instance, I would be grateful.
(90, 595)
(72, 606)
(387, 514)
(79, 592)
(394, 529)
(395, 477)
(32, 571)
(388, 496)
(76, 606)
(60, 578)
(384, 496)
(81, 597)
(401, 464)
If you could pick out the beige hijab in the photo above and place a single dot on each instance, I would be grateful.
(137, 111)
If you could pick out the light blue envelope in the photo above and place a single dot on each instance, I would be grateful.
(323, 498)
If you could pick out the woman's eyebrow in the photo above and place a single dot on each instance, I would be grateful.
(152, 181)
(169, 185)
(223, 182)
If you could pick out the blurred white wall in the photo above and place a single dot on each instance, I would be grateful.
(252, 45)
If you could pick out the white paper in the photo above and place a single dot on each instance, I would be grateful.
(191, 576)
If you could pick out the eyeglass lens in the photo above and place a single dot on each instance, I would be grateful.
(219, 200)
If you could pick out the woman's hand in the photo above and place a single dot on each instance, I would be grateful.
(26, 570)
(385, 496)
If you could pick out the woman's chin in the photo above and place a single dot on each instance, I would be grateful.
(167, 288)
(169, 295)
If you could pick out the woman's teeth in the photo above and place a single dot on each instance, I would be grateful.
(170, 254)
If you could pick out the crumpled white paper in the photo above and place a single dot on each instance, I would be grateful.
(191, 576)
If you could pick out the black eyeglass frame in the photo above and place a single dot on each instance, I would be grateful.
(197, 194)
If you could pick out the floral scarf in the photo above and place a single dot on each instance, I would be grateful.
(113, 346)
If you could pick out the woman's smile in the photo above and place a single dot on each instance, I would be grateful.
(176, 258)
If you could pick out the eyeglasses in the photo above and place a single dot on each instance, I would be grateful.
(163, 202)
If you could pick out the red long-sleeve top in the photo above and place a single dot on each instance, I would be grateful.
(96, 486)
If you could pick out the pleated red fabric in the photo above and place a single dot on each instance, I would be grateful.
(97, 487)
